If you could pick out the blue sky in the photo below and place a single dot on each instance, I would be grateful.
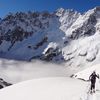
(7, 6)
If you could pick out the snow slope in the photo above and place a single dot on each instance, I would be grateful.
(45, 89)
(56, 87)
(84, 74)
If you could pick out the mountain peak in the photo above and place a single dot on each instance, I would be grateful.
(97, 8)
(60, 11)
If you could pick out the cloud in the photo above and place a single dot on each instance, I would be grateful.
(16, 71)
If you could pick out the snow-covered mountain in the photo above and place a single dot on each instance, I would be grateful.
(64, 36)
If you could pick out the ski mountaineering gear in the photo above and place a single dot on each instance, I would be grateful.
(92, 78)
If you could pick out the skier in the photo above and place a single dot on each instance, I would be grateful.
(92, 78)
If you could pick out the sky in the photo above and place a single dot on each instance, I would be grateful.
(7, 6)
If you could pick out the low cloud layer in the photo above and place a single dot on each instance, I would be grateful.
(16, 71)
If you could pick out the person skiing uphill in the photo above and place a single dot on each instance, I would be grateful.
(92, 78)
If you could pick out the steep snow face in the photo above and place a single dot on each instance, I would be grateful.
(64, 36)
(85, 24)
(67, 18)
(35, 33)
(84, 46)
(30, 33)
(45, 89)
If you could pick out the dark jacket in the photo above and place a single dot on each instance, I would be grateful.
(93, 77)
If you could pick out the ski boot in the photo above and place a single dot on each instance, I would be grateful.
(94, 91)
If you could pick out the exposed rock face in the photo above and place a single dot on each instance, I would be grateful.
(62, 36)
(3, 83)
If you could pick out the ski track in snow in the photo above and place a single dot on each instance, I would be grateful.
(95, 96)
(88, 96)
